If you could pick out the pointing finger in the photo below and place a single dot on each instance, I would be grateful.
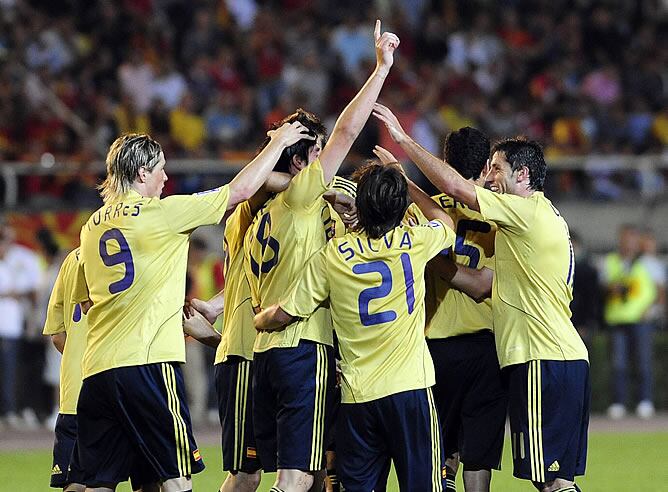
(376, 31)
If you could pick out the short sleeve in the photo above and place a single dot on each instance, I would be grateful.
(344, 186)
(184, 213)
(80, 293)
(305, 188)
(236, 226)
(55, 312)
(505, 210)
(310, 289)
(436, 237)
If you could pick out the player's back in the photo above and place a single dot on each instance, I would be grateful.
(238, 333)
(285, 233)
(134, 256)
(377, 301)
(451, 312)
(64, 314)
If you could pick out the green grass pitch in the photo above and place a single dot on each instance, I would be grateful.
(619, 462)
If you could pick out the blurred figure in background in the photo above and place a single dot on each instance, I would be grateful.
(205, 272)
(630, 294)
(657, 270)
(20, 275)
(586, 303)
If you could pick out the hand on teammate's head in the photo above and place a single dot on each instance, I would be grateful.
(386, 43)
(291, 133)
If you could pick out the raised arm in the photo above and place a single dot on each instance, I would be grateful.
(354, 116)
(441, 174)
(429, 207)
(475, 283)
(248, 181)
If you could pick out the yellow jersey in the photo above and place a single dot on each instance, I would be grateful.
(376, 294)
(238, 333)
(285, 233)
(64, 315)
(134, 253)
(451, 312)
(533, 281)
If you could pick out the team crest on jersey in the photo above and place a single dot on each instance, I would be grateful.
(196, 455)
(251, 453)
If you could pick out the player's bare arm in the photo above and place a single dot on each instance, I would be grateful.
(429, 207)
(58, 340)
(272, 318)
(440, 173)
(354, 116)
(199, 328)
(477, 284)
(253, 176)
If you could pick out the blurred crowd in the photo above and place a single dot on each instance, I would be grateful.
(207, 77)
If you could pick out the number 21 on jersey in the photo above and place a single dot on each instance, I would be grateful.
(383, 290)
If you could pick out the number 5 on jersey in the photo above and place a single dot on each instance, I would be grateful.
(264, 238)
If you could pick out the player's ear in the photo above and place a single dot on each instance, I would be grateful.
(523, 174)
(298, 162)
(142, 174)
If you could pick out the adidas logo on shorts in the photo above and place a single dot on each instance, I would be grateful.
(56, 470)
(554, 467)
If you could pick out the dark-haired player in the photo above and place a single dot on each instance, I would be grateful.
(541, 354)
(469, 392)
(293, 376)
(374, 281)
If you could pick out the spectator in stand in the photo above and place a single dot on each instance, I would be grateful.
(630, 294)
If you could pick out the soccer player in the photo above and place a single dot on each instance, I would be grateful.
(541, 354)
(66, 324)
(132, 406)
(293, 375)
(469, 393)
(374, 281)
(234, 355)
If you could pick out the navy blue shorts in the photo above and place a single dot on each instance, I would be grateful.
(65, 468)
(293, 395)
(471, 399)
(403, 428)
(134, 421)
(549, 417)
(235, 409)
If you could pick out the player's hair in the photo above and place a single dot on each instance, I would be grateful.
(382, 198)
(126, 155)
(467, 150)
(520, 152)
(315, 129)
